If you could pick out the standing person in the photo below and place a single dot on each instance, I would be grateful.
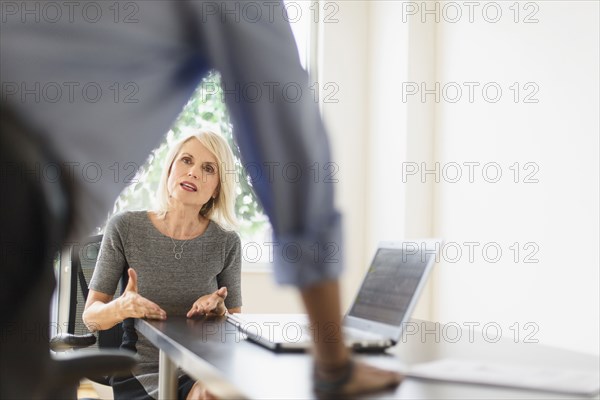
(181, 258)
(104, 87)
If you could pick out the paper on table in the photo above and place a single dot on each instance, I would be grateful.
(539, 378)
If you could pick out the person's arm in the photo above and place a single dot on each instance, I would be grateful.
(231, 274)
(102, 312)
(280, 129)
(229, 295)
(281, 137)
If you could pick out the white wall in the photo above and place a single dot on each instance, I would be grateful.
(560, 293)
(260, 294)
(559, 133)
(399, 132)
(370, 53)
(344, 45)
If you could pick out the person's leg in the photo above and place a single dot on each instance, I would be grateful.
(335, 372)
(128, 388)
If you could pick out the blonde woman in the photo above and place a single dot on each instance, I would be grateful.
(183, 258)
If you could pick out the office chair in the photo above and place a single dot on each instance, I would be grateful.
(34, 221)
(82, 262)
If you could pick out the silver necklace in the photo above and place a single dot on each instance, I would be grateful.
(176, 251)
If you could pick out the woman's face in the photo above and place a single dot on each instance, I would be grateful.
(194, 176)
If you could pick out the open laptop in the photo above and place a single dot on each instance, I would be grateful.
(388, 294)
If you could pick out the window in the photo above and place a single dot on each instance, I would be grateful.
(206, 110)
(299, 16)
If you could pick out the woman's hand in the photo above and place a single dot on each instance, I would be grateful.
(133, 305)
(212, 305)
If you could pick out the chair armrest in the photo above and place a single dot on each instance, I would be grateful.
(67, 341)
(72, 366)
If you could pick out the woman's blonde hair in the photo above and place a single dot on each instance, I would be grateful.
(221, 209)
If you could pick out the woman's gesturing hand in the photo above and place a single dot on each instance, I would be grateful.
(211, 304)
(133, 305)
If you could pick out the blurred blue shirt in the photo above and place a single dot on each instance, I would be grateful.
(106, 80)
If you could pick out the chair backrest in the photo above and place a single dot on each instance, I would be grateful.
(83, 262)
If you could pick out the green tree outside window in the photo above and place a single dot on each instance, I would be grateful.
(205, 110)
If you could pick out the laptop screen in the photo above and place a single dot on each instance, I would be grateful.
(389, 286)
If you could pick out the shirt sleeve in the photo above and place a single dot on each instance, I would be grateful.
(111, 259)
(230, 276)
(278, 131)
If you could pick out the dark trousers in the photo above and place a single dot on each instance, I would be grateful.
(129, 388)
